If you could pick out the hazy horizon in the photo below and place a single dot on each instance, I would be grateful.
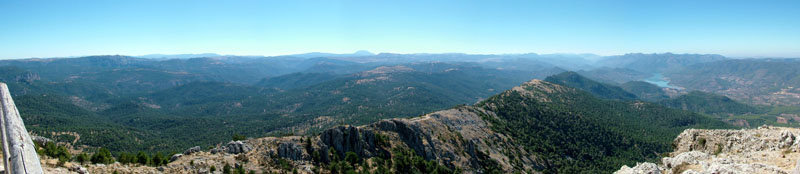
(68, 29)
(199, 55)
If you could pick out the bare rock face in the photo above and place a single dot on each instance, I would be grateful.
(643, 168)
(688, 158)
(233, 147)
(79, 169)
(192, 150)
(293, 151)
(456, 138)
(237, 147)
(348, 139)
(763, 150)
(40, 140)
(175, 157)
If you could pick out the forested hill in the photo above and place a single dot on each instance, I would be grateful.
(601, 90)
(576, 132)
(708, 103)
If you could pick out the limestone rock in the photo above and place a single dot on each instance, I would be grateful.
(217, 150)
(237, 147)
(348, 139)
(175, 157)
(786, 140)
(292, 151)
(773, 150)
(78, 169)
(640, 168)
(233, 147)
(191, 150)
(40, 140)
(688, 158)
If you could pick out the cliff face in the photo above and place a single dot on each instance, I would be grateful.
(762, 150)
(456, 138)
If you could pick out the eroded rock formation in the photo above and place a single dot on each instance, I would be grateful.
(762, 150)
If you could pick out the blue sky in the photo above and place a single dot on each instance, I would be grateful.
(763, 28)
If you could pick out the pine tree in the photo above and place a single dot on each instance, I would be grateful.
(142, 158)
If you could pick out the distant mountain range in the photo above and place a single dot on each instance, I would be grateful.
(178, 56)
(304, 55)
(757, 81)
(655, 63)
(320, 54)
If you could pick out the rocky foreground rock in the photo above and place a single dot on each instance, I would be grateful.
(774, 150)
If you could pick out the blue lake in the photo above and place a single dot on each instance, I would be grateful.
(659, 80)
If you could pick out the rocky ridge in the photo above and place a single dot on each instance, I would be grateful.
(457, 138)
(697, 151)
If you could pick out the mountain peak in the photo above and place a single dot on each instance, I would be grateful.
(536, 86)
(363, 53)
(358, 53)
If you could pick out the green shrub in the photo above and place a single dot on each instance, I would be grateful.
(142, 158)
(159, 159)
(352, 158)
(83, 157)
(701, 142)
(226, 169)
(102, 156)
(239, 137)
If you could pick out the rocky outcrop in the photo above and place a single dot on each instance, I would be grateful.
(175, 157)
(233, 147)
(348, 139)
(640, 168)
(292, 151)
(456, 137)
(763, 150)
(40, 140)
(188, 151)
(237, 147)
(687, 158)
(411, 133)
(192, 150)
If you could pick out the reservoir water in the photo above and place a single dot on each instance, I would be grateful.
(659, 80)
